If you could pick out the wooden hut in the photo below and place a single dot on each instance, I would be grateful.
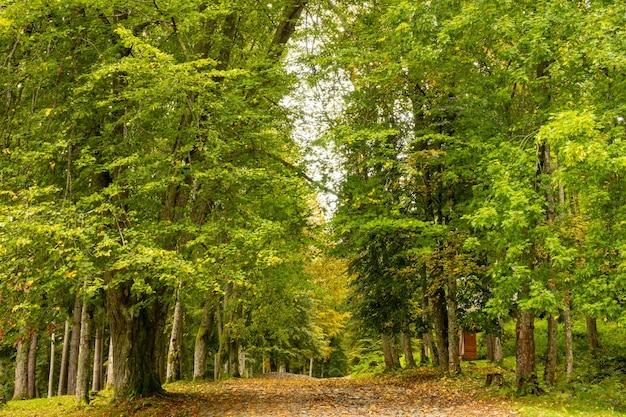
(468, 348)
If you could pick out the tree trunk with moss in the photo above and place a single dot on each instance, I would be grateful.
(552, 351)
(98, 360)
(20, 384)
(387, 341)
(174, 355)
(84, 355)
(72, 367)
(593, 340)
(407, 349)
(203, 337)
(437, 303)
(62, 388)
(525, 352)
(569, 340)
(32, 365)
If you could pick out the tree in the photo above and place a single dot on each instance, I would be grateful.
(148, 132)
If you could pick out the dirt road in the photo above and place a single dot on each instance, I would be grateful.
(276, 396)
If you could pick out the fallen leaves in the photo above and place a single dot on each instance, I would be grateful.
(288, 395)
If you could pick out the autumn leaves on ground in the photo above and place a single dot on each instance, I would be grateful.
(293, 395)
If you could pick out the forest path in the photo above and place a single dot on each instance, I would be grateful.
(291, 395)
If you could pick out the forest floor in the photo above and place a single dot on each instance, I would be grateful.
(277, 395)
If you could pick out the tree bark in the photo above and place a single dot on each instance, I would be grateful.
(109, 371)
(525, 352)
(217, 359)
(242, 361)
(98, 353)
(454, 364)
(489, 341)
(202, 339)
(20, 388)
(593, 340)
(84, 355)
(407, 349)
(552, 351)
(427, 337)
(62, 389)
(161, 350)
(174, 353)
(32, 366)
(228, 344)
(497, 349)
(74, 347)
(51, 367)
(134, 334)
(387, 351)
(437, 303)
(569, 341)
(395, 355)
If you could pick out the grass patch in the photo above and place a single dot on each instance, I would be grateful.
(606, 398)
(41, 407)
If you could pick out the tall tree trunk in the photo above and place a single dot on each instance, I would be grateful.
(437, 303)
(72, 367)
(407, 349)
(217, 359)
(233, 359)
(3, 399)
(20, 387)
(202, 339)
(84, 355)
(395, 355)
(51, 368)
(525, 352)
(98, 353)
(489, 341)
(174, 353)
(593, 340)
(427, 337)
(161, 344)
(454, 364)
(242, 361)
(387, 351)
(32, 366)
(228, 344)
(552, 351)
(569, 340)
(62, 389)
(498, 355)
(109, 371)
(134, 334)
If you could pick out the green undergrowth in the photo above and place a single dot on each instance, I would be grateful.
(42, 407)
(65, 405)
(101, 405)
(582, 397)
(605, 397)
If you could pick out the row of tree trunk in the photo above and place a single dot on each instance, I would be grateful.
(443, 349)
(81, 368)
(77, 370)
(77, 373)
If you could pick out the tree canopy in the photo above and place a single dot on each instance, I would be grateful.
(148, 160)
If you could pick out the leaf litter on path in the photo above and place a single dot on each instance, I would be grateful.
(282, 395)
